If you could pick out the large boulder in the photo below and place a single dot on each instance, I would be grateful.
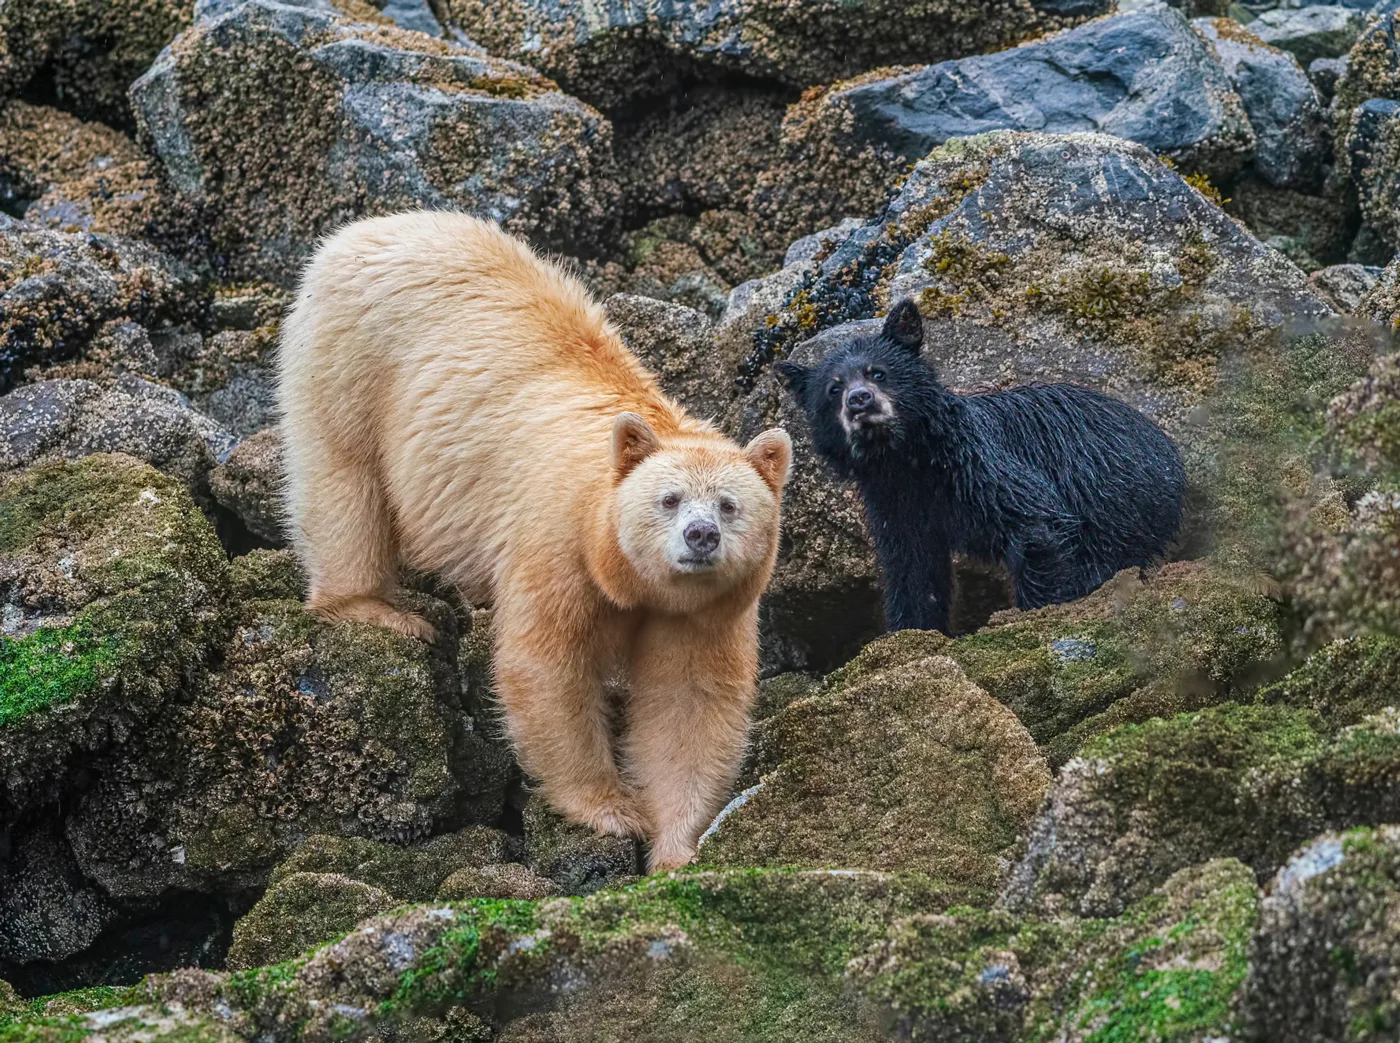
(1033, 257)
(1167, 969)
(57, 290)
(678, 345)
(1246, 782)
(1144, 76)
(273, 124)
(249, 483)
(1322, 963)
(901, 767)
(1312, 31)
(621, 52)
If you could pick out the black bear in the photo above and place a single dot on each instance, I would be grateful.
(1065, 485)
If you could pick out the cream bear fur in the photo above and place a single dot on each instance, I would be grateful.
(454, 403)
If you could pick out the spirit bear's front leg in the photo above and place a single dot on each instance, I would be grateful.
(692, 686)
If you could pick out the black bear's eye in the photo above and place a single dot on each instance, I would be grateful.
(671, 501)
(877, 375)
(835, 389)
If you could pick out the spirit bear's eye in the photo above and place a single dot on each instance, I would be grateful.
(671, 501)
(728, 508)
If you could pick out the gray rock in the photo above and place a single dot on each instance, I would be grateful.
(678, 345)
(1324, 31)
(1344, 285)
(1291, 132)
(58, 290)
(1145, 77)
(67, 419)
(274, 123)
(807, 248)
(415, 15)
(248, 483)
(1373, 146)
(613, 52)
(47, 911)
(1324, 74)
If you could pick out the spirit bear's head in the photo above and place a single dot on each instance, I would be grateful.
(859, 398)
(696, 514)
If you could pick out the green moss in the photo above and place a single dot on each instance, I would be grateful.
(973, 271)
(52, 667)
(1344, 681)
(300, 911)
(410, 874)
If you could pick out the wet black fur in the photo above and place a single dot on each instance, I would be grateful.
(1065, 485)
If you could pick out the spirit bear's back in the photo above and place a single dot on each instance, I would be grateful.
(453, 402)
(1067, 486)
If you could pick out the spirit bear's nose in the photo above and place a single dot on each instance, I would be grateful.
(702, 536)
(858, 399)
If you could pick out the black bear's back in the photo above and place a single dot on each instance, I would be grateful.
(1111, 468)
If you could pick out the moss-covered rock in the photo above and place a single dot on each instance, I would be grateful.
(1327, 948)
(1247, 782)
(299, 911)
(10, 1003)
(412, 874)
(1343, 682)
(911, 767)
(1165, 970)
(57, 290)
(578, 860)
(496, 880)
(273, 124)
(624, 53)
(249, 484)
(266, 575)
(145, 1023)
(113, 585)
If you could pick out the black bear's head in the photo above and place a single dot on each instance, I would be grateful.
(853, 397)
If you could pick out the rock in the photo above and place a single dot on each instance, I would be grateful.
(499, 880)
(85, 52)
(1034, 257)
(1381, 303)
(111, 583)
(910, 768)
(1144, 76)
(1343, 682)
(576, 859)
(1324, 74)
(1326, 945)
(139, 1023)
(1311, 32)
(1168, 968)
(300, 911)
(1186, 638)
(248, 484)
(73, 176)
(1292, 137)
(47, 912)
(57, 290)
(677, 344)
(1246, 782)
(412, 874)
(817, 245)
(416, 15)
(620, 54)
(674, 950)
(342, 118)
(270, 575)
(67, 419)
(1344, 286)
(10, 1003)
(305, 727)
(1311, 231)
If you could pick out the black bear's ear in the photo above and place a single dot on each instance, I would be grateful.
(793, 375)
(904, 325)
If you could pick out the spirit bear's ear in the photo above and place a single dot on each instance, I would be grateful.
(904, 325)
(633, 441)
(771, 456)
(793, 375)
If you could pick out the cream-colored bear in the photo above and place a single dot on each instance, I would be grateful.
(452, 402)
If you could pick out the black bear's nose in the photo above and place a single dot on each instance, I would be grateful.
(859, 399)
(702, 536)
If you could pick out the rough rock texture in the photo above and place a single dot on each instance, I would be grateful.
(1248, 782)
(1166, 969)
(85, 52)
(71, 175)
(911, 767)
(1292, 137)
(577, 860)
(411, 874)
(1372, 144)
(496, 880)
(299, 911)
(1324, 955)
(1344, 286)
(1312, 231)
(365, 119)
(66, 419)
(57, 290)
(1033, 257)
(248, 483)
(306, 727)
(137, 1023)
(618, 52)
(1308, 33)
(1145, 76)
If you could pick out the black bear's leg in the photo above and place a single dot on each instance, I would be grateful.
(919, 590)
(1039, 574)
